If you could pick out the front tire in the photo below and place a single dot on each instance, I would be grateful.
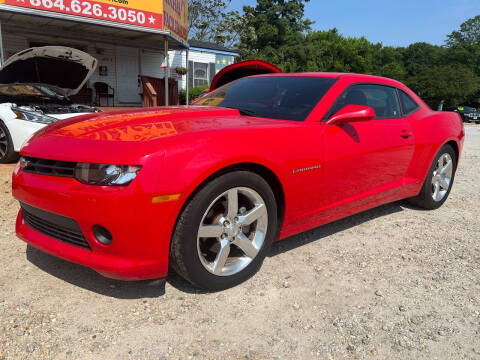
(7, 153)
(439, 181)
(225, 231)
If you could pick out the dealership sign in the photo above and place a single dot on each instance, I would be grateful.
(169, 15)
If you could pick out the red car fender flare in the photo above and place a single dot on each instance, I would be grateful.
(248, 164)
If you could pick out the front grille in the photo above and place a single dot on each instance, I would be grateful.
(48, 167)
(55, 226)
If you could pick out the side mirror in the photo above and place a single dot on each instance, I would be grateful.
(352, 113)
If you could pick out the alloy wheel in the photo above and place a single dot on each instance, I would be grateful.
(3, 142)
(442, 177)
(232, 231)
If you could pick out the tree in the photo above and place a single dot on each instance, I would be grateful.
(208, 20)
(276, 31)
(271, 26)
(455, 84)
(468, 34)
(421, 56)
(464, 44)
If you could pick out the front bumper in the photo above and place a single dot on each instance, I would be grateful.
(141, 230)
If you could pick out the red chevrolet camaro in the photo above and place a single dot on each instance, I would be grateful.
(208, 188)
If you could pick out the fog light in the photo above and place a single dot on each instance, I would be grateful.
(102, 235)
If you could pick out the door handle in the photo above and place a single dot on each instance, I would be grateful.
(406, 134)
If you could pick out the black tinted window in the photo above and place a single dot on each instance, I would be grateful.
(466, 109)
(408, 104)
(383, 99)
(276, 97)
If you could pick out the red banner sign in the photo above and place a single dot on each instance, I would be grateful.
(96, 10)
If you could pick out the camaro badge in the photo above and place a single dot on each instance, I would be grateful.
(296, 171)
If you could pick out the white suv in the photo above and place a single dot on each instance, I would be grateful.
(35, 85)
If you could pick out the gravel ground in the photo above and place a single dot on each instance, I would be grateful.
(393, 282)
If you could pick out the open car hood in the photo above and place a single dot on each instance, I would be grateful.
(63, 68)
(242, 69)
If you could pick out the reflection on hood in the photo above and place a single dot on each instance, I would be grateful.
(116, 128)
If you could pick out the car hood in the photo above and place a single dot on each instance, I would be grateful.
(242, 69)
(135, 132)
(62, 68)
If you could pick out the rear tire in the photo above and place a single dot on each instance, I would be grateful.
(7, 153)
(439, 181)
(237, 215)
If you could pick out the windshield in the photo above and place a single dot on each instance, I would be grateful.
(28, 90)
(275, 97)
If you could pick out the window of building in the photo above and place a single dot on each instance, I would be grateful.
(200, 74)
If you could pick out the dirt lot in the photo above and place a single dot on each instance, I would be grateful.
(393, 282)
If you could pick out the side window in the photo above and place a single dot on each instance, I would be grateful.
(408, 104)
(383, 99)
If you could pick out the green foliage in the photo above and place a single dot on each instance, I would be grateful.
(208, 20)
(468, 34)
(453, 83)
(182, 97)
(193, 93)
(420, 56)
(270, 26)
(276, 31)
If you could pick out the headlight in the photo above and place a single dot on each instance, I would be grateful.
(33, 116)
(106, 175)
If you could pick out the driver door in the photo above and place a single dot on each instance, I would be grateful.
(366, 160)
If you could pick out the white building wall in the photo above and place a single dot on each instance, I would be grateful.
(105, 54)
(201, 57)
(151, 63)
(179, 58)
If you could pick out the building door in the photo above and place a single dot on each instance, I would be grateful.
(128, 66)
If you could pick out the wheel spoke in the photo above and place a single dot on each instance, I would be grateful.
(444, 183)
(436, 193)
(222, 257)
(232, 203)
(446, 168)
(3, 143)
(257, 212)
(246, 246)
(210, 231)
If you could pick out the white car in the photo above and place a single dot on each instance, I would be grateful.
(35, 85)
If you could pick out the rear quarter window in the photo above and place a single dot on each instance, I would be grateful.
(408, 104)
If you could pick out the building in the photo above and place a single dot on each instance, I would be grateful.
(129, 44)
(205, 60)
(124, 50)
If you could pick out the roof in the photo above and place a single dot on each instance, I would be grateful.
(210, 46)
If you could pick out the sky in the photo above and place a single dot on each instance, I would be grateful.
(392, 23)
